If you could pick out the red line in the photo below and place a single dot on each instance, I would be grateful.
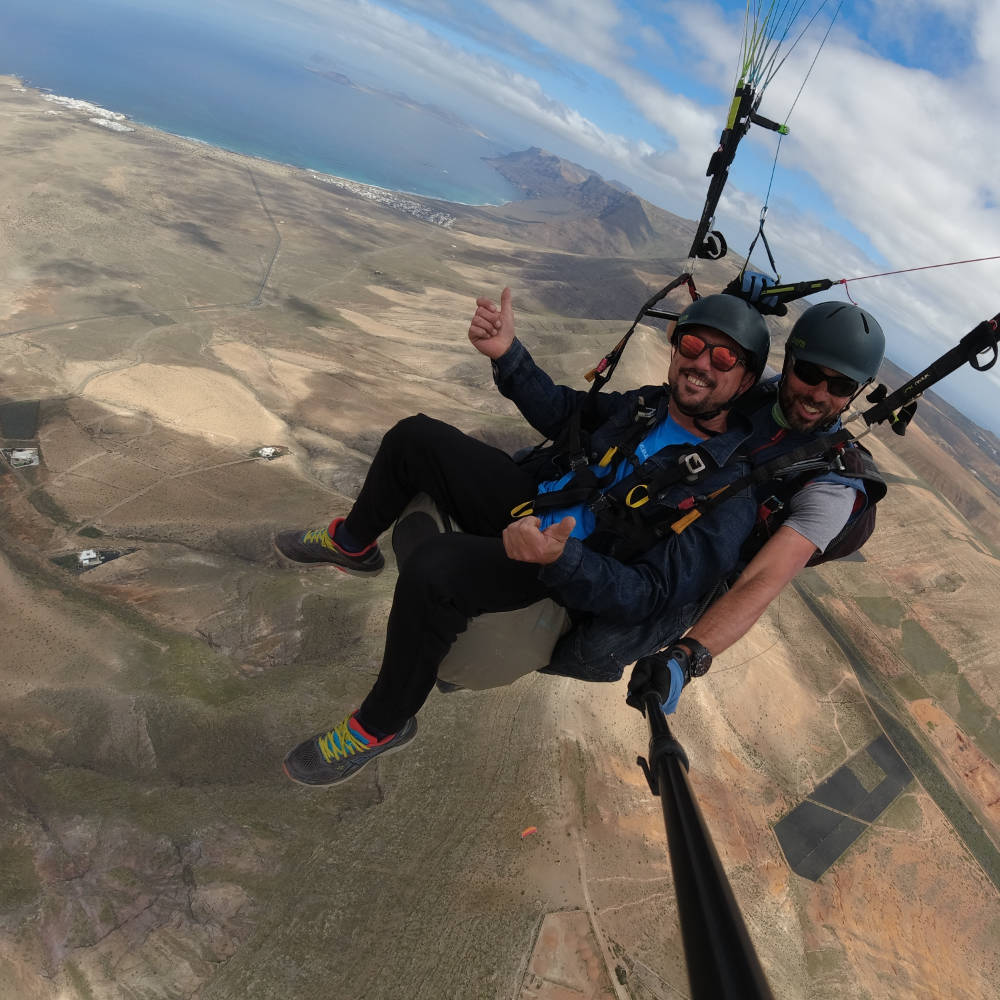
(926, 267)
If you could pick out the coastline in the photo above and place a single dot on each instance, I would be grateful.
(122, 122)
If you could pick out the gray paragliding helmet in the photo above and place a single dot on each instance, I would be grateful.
(734, 317)
(840, 336)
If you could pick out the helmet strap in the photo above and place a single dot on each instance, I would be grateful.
(698, 416)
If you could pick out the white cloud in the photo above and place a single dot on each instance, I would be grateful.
(712, 41)
(370, 32)
(383, 37)
(582, 30)
(651, 37)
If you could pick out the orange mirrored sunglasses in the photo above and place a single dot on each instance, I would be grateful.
(723, 358)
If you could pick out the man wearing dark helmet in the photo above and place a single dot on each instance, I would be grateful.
(571, 552)
(832, 352)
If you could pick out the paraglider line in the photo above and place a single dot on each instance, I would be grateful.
(781, 135)
(925, 267)
(907, 270)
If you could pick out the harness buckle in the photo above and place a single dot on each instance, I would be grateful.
(693, 462)
(768, 507)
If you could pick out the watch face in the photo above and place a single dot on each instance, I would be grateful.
(699, 658)
(700, 662)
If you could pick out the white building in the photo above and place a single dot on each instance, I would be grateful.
(23, 456)
(89, 557)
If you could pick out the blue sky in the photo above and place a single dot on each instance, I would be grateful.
(891, 161)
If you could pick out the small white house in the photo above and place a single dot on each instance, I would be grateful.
(23, 456)
(267, 451)
(89, 557)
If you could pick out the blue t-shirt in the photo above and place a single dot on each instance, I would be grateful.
(665, 433)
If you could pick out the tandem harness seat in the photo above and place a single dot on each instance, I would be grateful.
(498, 648)
(495, 649)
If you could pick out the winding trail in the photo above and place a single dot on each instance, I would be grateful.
(256, 300)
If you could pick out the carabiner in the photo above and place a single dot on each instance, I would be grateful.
(644, 498)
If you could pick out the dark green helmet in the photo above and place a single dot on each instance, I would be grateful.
(840, 336)
(735, 318)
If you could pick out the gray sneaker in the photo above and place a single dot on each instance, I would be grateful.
(338, 754)
(316, 547)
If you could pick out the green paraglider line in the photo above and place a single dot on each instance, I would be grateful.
(765, 30)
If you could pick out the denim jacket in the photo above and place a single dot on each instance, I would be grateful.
(620, 609)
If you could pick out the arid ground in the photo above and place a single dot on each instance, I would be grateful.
(172, 308)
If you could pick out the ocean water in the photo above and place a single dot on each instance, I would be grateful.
(205, 79)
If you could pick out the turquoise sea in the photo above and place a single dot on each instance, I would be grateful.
(227, 82)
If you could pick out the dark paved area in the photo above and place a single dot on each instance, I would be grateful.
(818, 831)
(19, 421)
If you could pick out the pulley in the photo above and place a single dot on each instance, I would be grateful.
(713, 246)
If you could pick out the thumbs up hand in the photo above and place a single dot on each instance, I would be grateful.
(492, 329)
(524, 541)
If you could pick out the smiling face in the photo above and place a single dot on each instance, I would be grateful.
(809, 407)
(697, 386)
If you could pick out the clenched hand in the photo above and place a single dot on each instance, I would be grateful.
(524, 540)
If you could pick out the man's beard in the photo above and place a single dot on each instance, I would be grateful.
(702, 404)
(824, 417)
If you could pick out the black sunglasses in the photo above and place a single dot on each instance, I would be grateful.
(723, 358)
(812, 374)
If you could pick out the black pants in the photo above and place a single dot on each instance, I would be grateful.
(451, 578)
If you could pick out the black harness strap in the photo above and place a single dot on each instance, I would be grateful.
(855, 462)
(586, 487)
(629, 516)
(604, 368)
(825, 445)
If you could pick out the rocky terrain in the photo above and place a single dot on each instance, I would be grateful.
(168, 309)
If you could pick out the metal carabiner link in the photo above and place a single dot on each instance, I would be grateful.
(641, 499)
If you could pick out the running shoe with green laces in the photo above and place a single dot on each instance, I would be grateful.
(338, 754)
(316, 547)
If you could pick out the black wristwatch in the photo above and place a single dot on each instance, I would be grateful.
(693, 657)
